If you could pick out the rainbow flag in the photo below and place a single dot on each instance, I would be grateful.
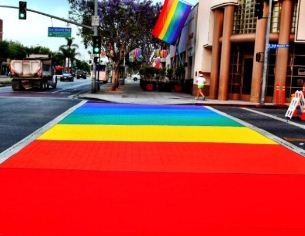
(171, 20)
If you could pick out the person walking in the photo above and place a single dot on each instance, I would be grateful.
(200, 81)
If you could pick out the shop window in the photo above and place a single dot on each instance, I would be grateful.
(235, 71)
(296, 69)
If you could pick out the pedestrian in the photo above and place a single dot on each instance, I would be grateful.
(200, 81)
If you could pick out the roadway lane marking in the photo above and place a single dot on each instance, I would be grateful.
(276, 118)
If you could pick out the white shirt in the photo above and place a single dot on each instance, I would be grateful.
(200, 80)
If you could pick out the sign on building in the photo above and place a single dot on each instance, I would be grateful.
(300, 24)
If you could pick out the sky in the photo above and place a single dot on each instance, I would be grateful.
(34, 30)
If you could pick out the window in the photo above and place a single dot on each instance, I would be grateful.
(275, 18)
(294, 17)
(244, 19)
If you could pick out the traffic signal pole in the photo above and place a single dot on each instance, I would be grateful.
(95, 33)
(51, 16)
(266, 54)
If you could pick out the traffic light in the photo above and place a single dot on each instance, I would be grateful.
(22, 10)
(259, 9)
(96, 44)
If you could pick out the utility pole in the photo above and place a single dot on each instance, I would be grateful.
(95, 33)
(266, 54)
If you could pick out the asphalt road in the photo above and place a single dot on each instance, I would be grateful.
(64, 89)
(273, 121)
(23, 112)
(21, 117)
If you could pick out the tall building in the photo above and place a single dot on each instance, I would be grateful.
(230, 46)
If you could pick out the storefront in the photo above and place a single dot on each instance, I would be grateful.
(238, 46)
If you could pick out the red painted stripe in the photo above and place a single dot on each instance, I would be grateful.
(78, 203)
(158, 157)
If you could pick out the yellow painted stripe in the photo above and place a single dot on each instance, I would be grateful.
(148, 133)
(168, 19)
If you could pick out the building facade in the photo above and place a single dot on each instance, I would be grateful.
(230, 45)
(1, 30)
(184, 51)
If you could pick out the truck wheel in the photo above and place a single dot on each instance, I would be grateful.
(16, 85)
(54, 84)
(41, 85)
(44, 84)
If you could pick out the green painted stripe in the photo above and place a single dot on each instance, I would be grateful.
(150, 120)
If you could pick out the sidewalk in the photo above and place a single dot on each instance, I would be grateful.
(4, 78)
(132, 93)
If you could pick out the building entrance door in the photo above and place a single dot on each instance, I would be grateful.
(246, 77)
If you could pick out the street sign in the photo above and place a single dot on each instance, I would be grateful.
(59, 32)
(95, 21)
(274, 45)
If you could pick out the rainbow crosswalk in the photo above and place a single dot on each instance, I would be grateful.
(152, 170)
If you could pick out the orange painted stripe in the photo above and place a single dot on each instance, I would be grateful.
(158, 157)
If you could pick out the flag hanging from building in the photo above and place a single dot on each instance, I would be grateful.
(171, 20)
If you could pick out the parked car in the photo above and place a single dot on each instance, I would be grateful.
(80, 74)
(136, 77)
(66, 76)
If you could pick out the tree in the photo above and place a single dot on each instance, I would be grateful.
(124, 25)
(4, 50)
(17, 50)
(69, 51)
(39, 50)
(82, 65)
(58, 58)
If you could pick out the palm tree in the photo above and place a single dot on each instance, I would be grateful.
(69, 50)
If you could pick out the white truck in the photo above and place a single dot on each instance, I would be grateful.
(35, 71)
